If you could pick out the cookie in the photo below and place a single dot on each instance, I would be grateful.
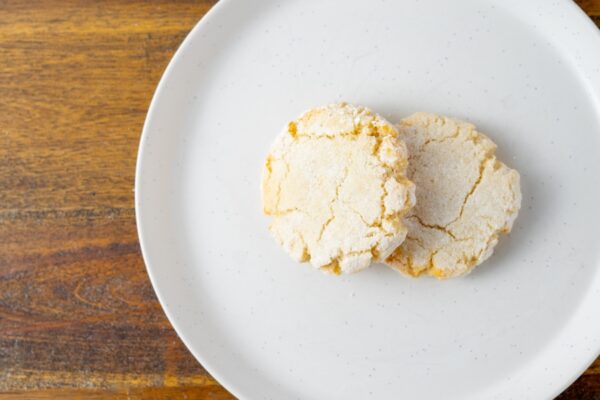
(465, 197)
(334, 184)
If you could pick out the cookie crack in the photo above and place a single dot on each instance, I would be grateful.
(384, 177)
(283, 213)
(471, 136)
(487, 245)
(283, 179)
(434, 226)
(431, 264)
(388, 172)
(305, 253)
(332, 203)
(454, 135)
(375, 224)
(416, 239)
(482, 166)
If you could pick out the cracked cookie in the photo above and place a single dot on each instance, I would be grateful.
(465, 197)
(334, 183)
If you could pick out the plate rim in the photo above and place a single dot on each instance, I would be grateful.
(177, 55)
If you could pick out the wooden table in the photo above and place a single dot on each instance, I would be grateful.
(78, 316)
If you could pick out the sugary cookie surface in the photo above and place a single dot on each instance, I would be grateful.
(465, 197)
(334, 183)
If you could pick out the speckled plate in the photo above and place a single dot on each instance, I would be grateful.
(524, 325)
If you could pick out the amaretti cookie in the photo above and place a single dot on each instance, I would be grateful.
(334, 184)
(466, 197)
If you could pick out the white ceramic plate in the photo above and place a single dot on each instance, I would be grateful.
(524, 325)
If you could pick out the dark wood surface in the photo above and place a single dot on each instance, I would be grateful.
(78, 316)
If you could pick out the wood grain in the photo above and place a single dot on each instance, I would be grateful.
(76, 307)
(78, 317)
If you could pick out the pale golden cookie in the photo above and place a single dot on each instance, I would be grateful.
(465, 197)
(334, 183)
